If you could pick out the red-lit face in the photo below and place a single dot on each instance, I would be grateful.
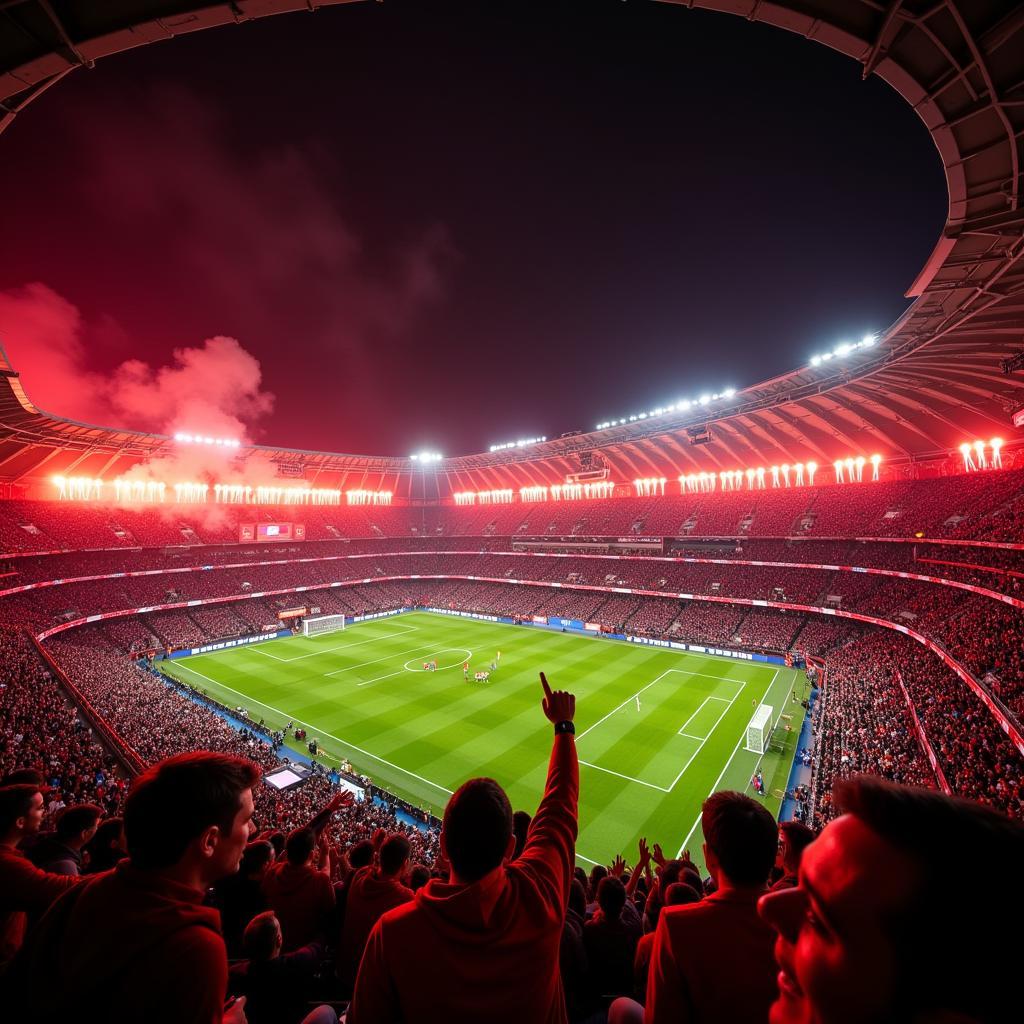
(33, 818)
(834, 950)
(227, 854)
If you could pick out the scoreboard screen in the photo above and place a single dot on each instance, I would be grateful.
(270, 533)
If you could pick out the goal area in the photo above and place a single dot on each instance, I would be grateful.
(322, 624)
(759, 730)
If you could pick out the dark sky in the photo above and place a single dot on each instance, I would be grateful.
(452, 224)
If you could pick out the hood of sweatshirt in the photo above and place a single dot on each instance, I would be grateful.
(287, 879)
(498, 905)
(115, 919)
(374, 886)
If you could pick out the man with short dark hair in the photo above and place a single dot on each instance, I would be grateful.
(483, 945)
(374, 891)
(712, 960)
(610, 945)
(137, 940)
(277, 988)
(24, 888)
(871, 934)
(299, 893)
(61, 851)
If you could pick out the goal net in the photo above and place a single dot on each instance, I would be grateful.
(322, 624)
(759, 730)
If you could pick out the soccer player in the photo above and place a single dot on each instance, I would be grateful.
(465, 671)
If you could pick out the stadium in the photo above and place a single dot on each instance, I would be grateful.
(774, 590)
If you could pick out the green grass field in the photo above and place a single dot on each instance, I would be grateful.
(645, 768)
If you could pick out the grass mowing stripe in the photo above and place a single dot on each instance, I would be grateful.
(333, 737)
(421, 734)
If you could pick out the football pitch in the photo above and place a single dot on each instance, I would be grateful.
(656, 730)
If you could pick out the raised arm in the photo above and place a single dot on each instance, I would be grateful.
(340, 799)
(550, 849)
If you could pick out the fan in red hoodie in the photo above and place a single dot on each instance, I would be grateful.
(137, 940)
(299, 893)
(483, 946)
(372, 892)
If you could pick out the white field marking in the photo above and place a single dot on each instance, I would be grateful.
(726, 767)
(442, 668)
(377, 679)
(700, 746)
(579, 856)
(628, 778)
(700, 739)
(377, 661)
(625, 702)
(351, 746)
(697, 712)
(340, 647)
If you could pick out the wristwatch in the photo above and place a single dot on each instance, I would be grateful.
(568, 727)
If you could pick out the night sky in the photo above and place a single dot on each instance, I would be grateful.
(445, 225)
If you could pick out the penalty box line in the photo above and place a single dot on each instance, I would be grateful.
(340, 647)
(322, 732)
(678, 671)
(711, 731)
(725, 767)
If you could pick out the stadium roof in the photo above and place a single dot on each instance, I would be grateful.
(932, 380)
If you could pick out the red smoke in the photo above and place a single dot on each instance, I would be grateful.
(213, 389)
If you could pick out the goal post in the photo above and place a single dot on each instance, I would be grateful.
(322, 624)
(759, 730)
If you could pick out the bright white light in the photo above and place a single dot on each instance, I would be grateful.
(868, 340)
(815, 360)
(844, 349)
(826, 356)
(729, 392)
(704, 399)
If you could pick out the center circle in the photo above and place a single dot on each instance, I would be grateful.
(417, 663)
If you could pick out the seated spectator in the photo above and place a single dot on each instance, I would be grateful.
(483, 945)
(794, 838)
(240, 897)
(874, 903)
(678, 894)
(712, 959)
(24, 889)
(419, 875)
(359, 855)
(138, 940)
(610, 945)
(106, 847)
(374, 891)
(277, 988)
(61, 851)
(572, 957)
(300, 894)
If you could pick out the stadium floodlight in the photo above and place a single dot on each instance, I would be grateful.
(426, 457)
(815, 360)
(704, 399)
(843, 349)
(868, 340)
(222, 442)
(997, 459)
(812, 468)
(728, 392)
